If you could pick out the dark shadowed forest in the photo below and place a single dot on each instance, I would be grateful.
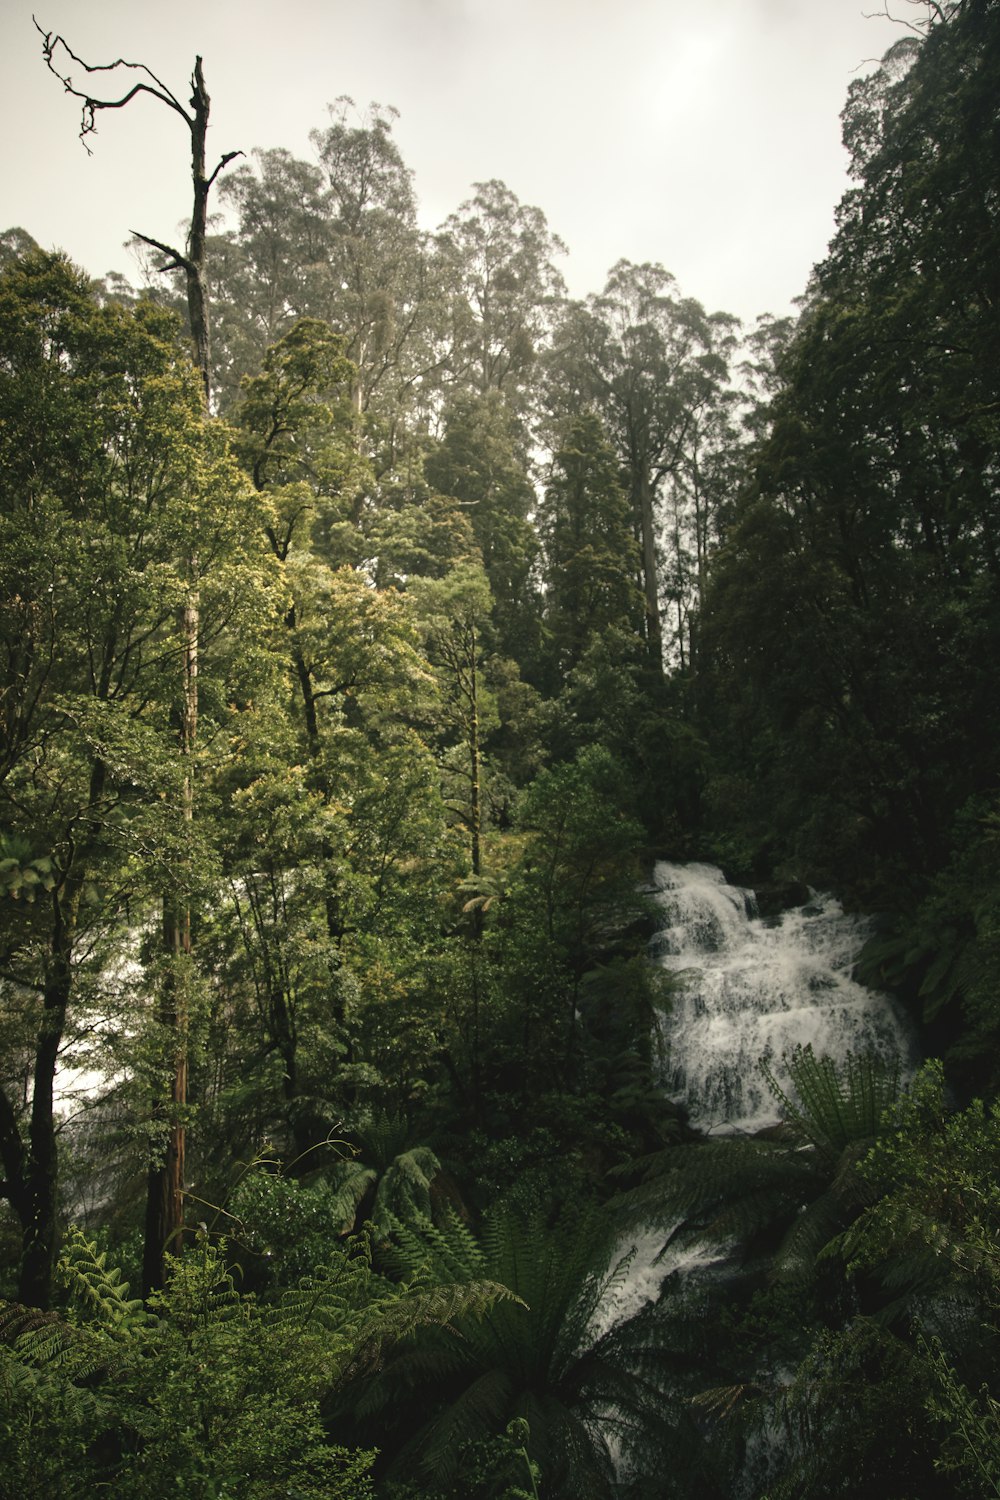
(375, 617)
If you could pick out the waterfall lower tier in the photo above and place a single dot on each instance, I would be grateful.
(750, 989)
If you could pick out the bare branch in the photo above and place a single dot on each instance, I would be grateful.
(224, 162)
(192, 263)
(91, 104)
(920, 27)
(178, 262)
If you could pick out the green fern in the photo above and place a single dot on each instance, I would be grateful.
(97, 1290)
(727, 1191)
(790, 1193)
(535, 1353)
(447, 1252)
(356, 1315)
(47, 1363)
(972, 1421)
(835, 1106)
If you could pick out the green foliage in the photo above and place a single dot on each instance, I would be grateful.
(591, 555)
(435, 745)
(334, 240)
(774, 1212)
(390, 1178)
(494, 1468)
(481, 464)
(499, 256)
(97, 1291)
(852, 607)
(21, 875)
(855, 1421)
(944, 956)
(281, 1228)
(972, 1452)
(538, 1356)
(886, 1399)
(939, 1207)
(583, 847)
(106, 538)
(201, 1392)
(653, 364)
(384, 1179)
(535, 997)
(207, 1386)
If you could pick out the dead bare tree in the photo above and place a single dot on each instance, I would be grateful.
(192, 260)
(165, 1192)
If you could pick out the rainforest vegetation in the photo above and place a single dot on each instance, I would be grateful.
(373, 615)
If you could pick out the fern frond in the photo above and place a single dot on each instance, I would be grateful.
(724, 1400)
(45, 1343)
(836, 1105)
(482, 1408)
(383, 1136)
(447, 1251)
(349, 1182)
(404, 1193)
(16, 1319)
(96, 1288)
(810, 1237)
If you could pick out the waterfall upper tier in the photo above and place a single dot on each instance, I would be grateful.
(751, 989)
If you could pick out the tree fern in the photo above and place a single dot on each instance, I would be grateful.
(538, 1354)
(729, 1191)
(448, 1251)
(359, 1314)
(389, 1179)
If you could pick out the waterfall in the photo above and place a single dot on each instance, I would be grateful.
(752, 988)
(747, 988)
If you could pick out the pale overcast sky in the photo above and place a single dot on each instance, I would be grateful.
(703, 134)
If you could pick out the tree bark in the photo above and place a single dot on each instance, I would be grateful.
(475, 792)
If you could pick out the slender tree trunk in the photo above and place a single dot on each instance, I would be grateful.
(41, 1181)
(475, 789)
(165, 1185)
(650, 583)
(164, 1216)
(164, 1230)
(194, 268)
(36, 1200)
(334, 918)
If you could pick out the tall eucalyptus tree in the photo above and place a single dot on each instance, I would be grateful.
(337, 240)
(654, 364)
(499, 256)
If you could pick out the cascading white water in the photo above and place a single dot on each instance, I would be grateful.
(750, 989)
